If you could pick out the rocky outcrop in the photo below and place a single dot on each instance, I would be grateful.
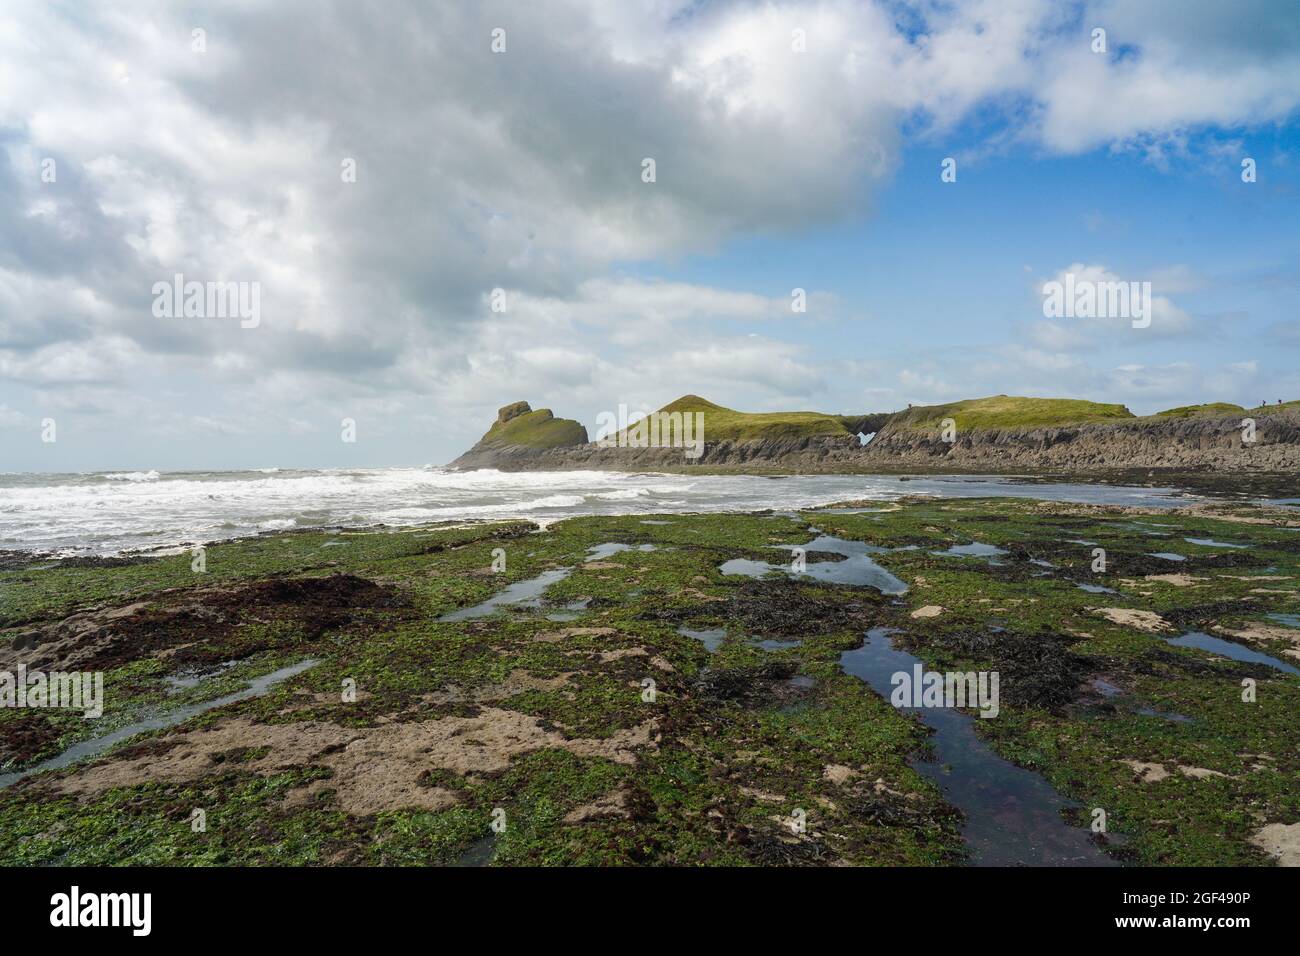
(1154, 443)
(508, 412)
(519, 435)
(1186, 444)
(807, 455)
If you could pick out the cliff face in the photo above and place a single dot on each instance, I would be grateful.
(809, 455)
(1176, 443)
(1200, 443)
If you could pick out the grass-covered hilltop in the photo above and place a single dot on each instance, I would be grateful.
(727, 424)
(671, 689)
(518, 425)
(1005, 413)
(1000, 433)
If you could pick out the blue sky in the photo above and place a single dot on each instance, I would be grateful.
(210, 142)
(1229, 253)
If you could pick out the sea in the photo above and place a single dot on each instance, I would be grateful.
(108, 513)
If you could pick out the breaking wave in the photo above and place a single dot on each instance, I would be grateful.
(110, 512)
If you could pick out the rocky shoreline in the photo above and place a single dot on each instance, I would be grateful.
(1211, 447)
(380, 698)
(1180, 444)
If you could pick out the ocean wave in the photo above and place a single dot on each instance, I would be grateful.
(106, 513)
(553, 501)
(132, 476)
(627, 494)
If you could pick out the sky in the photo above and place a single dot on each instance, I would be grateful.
(444, 207)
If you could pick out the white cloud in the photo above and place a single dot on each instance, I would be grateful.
(1072, 333)
(11, 418)
(522, 171)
